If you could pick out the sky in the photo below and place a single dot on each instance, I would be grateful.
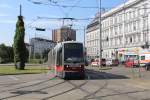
(9, 10)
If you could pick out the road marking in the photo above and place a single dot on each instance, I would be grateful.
(13, 77)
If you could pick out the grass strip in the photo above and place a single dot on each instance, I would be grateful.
(10, 70)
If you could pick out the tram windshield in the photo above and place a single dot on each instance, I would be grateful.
(73, 53)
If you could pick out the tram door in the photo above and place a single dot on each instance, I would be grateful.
(59, 65)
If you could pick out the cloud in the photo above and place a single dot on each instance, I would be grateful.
(3, 15)
(7, 21)
(5, 6)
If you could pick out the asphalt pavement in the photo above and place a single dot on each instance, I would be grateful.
(118, 83)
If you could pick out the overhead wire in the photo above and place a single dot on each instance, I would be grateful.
(76, 6)
(69, 18)
(60, 8)
(75, 19)
(78, 1)
(66, 6)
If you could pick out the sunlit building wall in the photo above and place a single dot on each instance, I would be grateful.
(124, 28)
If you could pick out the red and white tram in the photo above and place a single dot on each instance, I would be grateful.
(67, 58)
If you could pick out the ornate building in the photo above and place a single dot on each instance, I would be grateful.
(125, 29)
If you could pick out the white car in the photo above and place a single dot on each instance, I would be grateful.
(109, 62)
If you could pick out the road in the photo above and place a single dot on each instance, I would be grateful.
(118, 83)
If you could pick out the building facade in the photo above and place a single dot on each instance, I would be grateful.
(63, 34)
(39, 45)
(125, 28)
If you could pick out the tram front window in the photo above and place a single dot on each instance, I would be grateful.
(73, 53)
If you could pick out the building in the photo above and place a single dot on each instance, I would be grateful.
(28, 46)
(125, 28)
(39, 45)
(92, 38)
(63, 34)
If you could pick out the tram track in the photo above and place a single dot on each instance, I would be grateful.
(79, 87)
(21, 92)
(89, 95)
(98, 90)
(119, 93)
(105, 87)
(25, 86)
(74, 88)
(19, 83)
(12, 84)
(22, 87)
(41, 89)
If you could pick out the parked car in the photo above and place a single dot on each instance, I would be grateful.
(115, 62)
(96, 62)
(103, 62)
(112, 62)
(109, 62)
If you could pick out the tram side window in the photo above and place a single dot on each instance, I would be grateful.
(54, 57)
(59, 57)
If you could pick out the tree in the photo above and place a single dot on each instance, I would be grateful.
(6, 53)
(20, 55)
(45, 54)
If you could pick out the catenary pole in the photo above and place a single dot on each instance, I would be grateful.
(100, 31)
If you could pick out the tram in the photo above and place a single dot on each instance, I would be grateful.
(67, 58)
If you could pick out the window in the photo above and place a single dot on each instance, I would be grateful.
(133, 13)
(120, 29)
(115, 30)
(145, 24)
(145, 8)
(129, 15)
(142, 57)
(134, 26)
(139, 38)
(59, 57)
(126, 39)
(130, 39)
(115, 19)
(138, 24)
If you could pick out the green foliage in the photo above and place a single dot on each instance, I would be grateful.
(27, 55)
(6, 54)
(9, 70)
(35, 61)
(45, 55)
(19, 47)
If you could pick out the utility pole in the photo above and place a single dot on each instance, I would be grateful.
(84, 35)
(100, 31)
(29, 50)
(20, 10)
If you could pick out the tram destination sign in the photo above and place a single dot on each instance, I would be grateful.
(73, 46)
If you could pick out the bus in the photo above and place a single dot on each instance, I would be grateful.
(68, 59)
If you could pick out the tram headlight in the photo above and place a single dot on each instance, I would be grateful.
(66, 66)
(82, 66)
